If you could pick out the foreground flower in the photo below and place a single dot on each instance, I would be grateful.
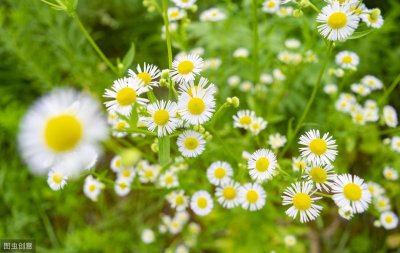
(62, 130)
(318, 150)
(147, 76)
(186, 67)
(163, 117)
(125, 93)
(56, 180)
(219, 172)
(227, 194)
(252, 196)
(300, 196)
(191, 143)
(350, 190)
(201, 203)
(338, 22)
(262, 165)
(389, 220)
(321, 176)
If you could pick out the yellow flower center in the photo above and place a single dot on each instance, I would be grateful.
(245, 120)
(252, 196)
(121, 125)
(126, 96)
(302, 201)
(352, 191)
(185, 67)
(123, 185)
(262, 164)
(63, 132)
(179, 200)
(57, 178)
(347, 59)
(191, 143)
(271, 4)
(389, 219)
(381, 203)
(318, 175)
(219, 173)
(229, 192)
(169, 180)
(126, 173)
(148, 173)
(92, 188)
(337, 20)
(318, 146)
(161, 117)
(174, 14)
(118, 163)
(145, 77)
(202, 202)
(196, 106)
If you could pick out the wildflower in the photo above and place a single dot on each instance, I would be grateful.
(212, 15)
(330, 89)
(122, 186)
(227, 194)
(372, 82)
(147, 76)
(92, 187)
(290, 240)
(300, 196)
(372, 18)
(186, 67)
(178, 200)
(298, 164)
(396, 143)
(390, 174)
(201, 203)
(276, 140)
(186, 4)
(56, 180)
(175, 14)
(292, 43)
(191, 143)
(321, 176)
(219, 172)
(149, 173)
(271, 6)
(257, 125)
(252, 196)
(241, 53)
(262, 165)
(390, 116)
(148, 236)
(243, 119)
(346, 212)
(347, 60)
(389, 220)
(168, 180)
(163, 117)
(318, 150)
(382, 203)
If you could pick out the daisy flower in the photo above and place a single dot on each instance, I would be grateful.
(285, 11)
(241, 53)
(149, 173)
(276, 140)
(212, 15)
(148, 236)
(201, 203)
(219, 172)
(212, 63)
(372, 82)
(338, 22)
(252, 196)
(147, 75)
(125, 93)
(298, 164)
(266, 78)
(330, 89)
(382, 203)
(360, 89)
(127, 174)
(227, 194)
(185, 4)
(351, 190)
(262, 165)
(390, 174)
(271, 6)
(196, 106)
(389, 220)
(375, 189)
(186, 67)
(257, 125)
(62, 130)
(56, 180)
(372, 18)
(292, 43)
(390, 116)
(290, 240)
(233, 81)
(202, 85)
(92, 187)
(347, 60)
(346, 212)
(191, 143)
(182, 248)
(358, 116)
(300, 196)
(163, 117)
(112, 116)
(243, 119)
(396, 143)
(168, 180)
(122, 186)
(321, 176)
(318, 150)
(119, 128)
(116, 163)
(178, 200)
(175, 14)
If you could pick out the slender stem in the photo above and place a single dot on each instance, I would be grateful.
(390, 90)
(311, 100)
(218, 113)
(93, 43)
(167, 34)
(390, 131)
(164, 149)
(323, 194)
(315, 8)
(255, 41)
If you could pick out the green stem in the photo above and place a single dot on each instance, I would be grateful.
(256, 76)
(93, 43)
(167, 34)
(390, 131)
(323, 194)
(310, 101)
(164, 150)
(315, 8)
(390, 90)
(218, 113)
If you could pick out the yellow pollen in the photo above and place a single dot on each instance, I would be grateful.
(245, 120)
(202, 202)
(229, 192)
(126, 96)
(318, 175)
(252, 196)
(196, 106)
(302, 201)
(271, 4)
(185, 67)
(262, 164)
(57, 178)
(381, 203)
(123, 185)
(118, 163)
(121, 125)
(63, 132)
(352, 191)
(191, 143)
(145, 77)
(92, 188)
(219, 173)
(318, 146)
(179, 200)
(126, 173)
(169, 180)
(337, 20)
(389, 219)
(161, 117)
(347, 59)
(148, 173)
(174, 14)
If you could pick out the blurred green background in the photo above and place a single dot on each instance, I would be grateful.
(41, 48)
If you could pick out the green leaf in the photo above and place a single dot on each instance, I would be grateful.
(128, 58)
(290, 128)
(360, 34)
